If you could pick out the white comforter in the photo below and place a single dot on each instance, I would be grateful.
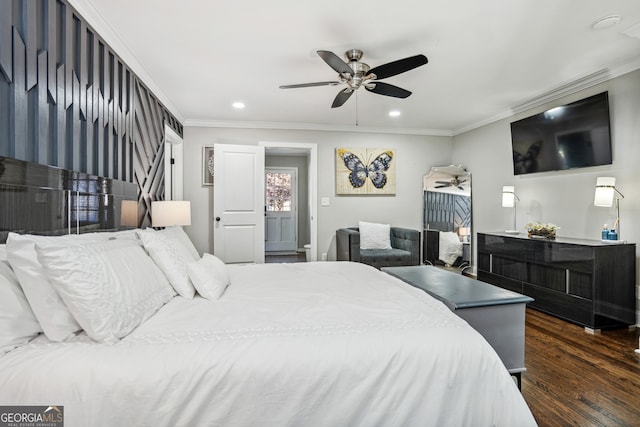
(315, 344)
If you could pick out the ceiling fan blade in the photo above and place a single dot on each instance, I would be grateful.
(335, 62)
(342, 97)
(309, 85)
(387, 89)
(397, 67)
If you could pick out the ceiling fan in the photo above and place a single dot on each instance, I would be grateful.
(356, 74)
(455, 181)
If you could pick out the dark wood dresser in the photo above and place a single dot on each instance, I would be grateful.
(588, 282)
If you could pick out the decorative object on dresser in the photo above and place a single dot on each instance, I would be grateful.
(497, 314)
(403, 247)
(509, 199)
(606, 192)
(537, 229)
(586, 282)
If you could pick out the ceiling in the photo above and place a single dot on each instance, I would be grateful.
(485, 58)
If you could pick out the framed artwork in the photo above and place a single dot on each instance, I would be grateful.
(365, 171)
(207, 165)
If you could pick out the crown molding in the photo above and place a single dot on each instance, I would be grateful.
(577, 85)
(94, 18)
(314, 127)
(481, 123)
(561, 91)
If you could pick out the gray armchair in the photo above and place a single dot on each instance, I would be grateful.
(405, 248)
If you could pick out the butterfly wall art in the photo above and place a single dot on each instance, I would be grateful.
(365, 171)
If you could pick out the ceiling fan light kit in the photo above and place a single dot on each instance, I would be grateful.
(356, 74)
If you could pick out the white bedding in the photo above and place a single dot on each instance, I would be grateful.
(309, 344)
(450, 247)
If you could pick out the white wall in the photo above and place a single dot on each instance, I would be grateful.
(563, 198)
(415, 155)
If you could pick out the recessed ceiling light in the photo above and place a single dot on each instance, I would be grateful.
(394, 113)
(238, 105)
(605, 22)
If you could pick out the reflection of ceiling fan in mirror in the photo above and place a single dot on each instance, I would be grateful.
(356, 74)
(455, 181)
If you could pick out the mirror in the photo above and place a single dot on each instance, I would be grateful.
(447, 216)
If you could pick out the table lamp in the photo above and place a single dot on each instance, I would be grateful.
(509, 199)
(167, 213)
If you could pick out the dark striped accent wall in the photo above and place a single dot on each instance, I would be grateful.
(67, 100)
(446, 211)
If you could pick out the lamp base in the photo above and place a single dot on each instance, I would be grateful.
(512, 231)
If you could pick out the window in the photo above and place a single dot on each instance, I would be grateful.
(278, 192)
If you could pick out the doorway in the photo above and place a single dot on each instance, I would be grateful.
(307, 153)
(281, 210)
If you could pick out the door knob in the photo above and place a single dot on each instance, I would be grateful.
(217, 219)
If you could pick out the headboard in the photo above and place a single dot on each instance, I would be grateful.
(40, 199)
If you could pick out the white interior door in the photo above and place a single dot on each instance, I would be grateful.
(238, 203)
(281, 209)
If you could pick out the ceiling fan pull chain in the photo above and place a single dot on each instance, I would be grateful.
(356, 108)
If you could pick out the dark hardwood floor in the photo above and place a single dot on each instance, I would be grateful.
(577, 379)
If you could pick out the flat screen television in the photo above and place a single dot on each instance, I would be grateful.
(575, 135)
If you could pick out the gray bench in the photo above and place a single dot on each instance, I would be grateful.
(498, 314)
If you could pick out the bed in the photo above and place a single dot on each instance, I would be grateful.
(314, 344)
(135, 328)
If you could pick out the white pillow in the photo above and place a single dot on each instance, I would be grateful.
(177, 232)
(450, 247)
(111, 287)
(172, 250)
(18, 324)
(55, 318)
(374, 236)
(209, 275)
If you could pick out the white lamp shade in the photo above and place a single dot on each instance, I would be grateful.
(508, 196)
(464, 231)
(129, 213)
(170, 212)
(605, 191)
